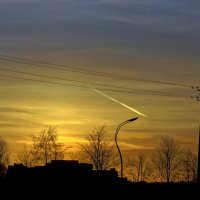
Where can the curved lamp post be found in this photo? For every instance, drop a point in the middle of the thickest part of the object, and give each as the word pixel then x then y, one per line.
pixel 120 155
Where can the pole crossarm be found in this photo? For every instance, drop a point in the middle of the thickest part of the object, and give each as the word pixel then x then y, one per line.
pixel 196 95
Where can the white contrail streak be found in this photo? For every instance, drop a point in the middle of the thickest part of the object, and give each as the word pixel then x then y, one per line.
pixel 134 110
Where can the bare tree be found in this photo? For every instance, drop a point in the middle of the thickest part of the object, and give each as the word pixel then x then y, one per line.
pixel 27 156
pixel 58 151
pixel 166 159
pixel 189 166
pixel 47 147
pixel 4 156
pixel 138 169
pixel 98 150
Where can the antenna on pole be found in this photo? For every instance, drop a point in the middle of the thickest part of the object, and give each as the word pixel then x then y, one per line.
pixel 196 91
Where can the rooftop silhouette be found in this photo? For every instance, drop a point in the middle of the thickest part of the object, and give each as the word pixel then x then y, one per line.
pixel 69 170
pixel 74 179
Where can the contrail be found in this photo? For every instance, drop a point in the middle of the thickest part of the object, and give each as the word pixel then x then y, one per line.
pixel 120 103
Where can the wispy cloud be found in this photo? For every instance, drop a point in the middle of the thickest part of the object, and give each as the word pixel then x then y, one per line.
pixel 170 16
pixel 14 110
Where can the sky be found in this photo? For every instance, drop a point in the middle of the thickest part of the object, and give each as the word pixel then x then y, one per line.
pixel 149 39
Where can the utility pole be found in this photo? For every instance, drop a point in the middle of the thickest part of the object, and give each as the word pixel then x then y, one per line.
pixel 198 94
pixel 198 165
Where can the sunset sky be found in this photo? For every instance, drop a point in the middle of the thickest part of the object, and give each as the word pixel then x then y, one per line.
pixel 148 39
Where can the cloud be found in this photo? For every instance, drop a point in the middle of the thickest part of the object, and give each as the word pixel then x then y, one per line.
pixel 14 110
pixel 162 16
pixel 155 15
pixel 19 125
pixel 27 110
pixel 95 27
pixel 146 142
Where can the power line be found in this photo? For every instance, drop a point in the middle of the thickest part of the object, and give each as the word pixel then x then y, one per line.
pixel 48 67
pixel 85 71
pixel 58 65
pixel 90 83
pixel 87 87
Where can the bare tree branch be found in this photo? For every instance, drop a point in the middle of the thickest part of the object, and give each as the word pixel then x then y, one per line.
pixel 138 169
pixel 166 159
pixel 47 147
pixel 4 157
pixel 98 150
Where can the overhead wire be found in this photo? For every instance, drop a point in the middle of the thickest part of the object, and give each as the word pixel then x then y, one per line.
pixel 88 87
pixel 90 83
pixel 83 71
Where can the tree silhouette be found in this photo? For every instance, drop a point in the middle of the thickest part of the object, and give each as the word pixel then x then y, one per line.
pixel 138 169
pixel 189 166
pixel 27 156
pixel 166 159
pixel 4 157
pixel 47 147
pixel 98 150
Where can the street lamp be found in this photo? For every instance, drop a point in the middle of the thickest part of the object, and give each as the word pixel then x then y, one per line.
pixel 120 155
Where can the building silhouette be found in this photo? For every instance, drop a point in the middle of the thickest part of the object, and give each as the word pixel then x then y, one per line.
pixel 70 171
pixel 69 179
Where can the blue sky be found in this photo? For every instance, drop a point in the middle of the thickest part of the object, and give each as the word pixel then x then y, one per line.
pixel 160 25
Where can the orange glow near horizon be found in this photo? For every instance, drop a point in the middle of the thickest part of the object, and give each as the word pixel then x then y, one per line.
pixel 120 38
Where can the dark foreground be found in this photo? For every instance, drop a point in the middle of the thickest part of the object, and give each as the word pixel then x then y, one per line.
pixel 83 189
pixel 69 179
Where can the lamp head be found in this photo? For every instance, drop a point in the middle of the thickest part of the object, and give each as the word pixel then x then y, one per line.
pixel 133 119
